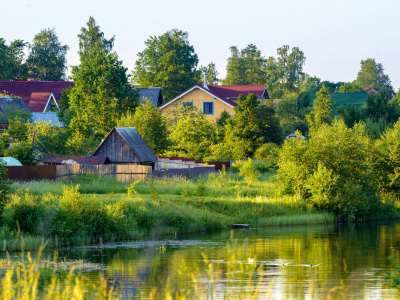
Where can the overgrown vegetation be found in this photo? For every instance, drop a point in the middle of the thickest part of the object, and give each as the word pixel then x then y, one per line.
pixel 89 208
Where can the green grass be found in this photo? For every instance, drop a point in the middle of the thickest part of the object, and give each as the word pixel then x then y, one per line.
pixel 103 209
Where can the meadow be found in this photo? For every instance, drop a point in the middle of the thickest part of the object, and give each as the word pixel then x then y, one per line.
pixel 93 209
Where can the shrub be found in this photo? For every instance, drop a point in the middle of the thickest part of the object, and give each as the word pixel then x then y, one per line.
pixel 5 187
pixel 23 152
pixel 248 171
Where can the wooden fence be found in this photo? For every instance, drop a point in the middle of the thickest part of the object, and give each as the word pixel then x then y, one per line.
pixel 27 173
pixel 124 173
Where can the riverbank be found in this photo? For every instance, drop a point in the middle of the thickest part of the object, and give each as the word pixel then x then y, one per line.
pixel 90 210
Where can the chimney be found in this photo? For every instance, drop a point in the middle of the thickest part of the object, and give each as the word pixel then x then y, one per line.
pixel 31 78
pixel 205 79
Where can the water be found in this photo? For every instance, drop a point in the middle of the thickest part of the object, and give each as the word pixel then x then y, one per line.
pixel 303 262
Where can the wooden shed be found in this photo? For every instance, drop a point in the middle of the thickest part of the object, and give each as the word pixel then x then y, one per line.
pixel 126 146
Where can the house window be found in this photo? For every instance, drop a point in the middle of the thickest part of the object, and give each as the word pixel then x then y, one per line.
pixel 208 108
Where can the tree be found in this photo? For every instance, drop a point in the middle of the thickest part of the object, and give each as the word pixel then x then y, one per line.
pixel 252 125
pixel 371 76
pixel 101 94
pixel 349 87
pixel 46 60
pixel 322 109
pixel 193 134
pixel 168 62
pixel 285 73
pixel 151 125
pixel 290 66
pixel 92 38
pixel 12 66
pixel 212 74
pixel 245 67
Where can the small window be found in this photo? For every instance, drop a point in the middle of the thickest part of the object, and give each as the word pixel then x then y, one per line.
pixel 208 108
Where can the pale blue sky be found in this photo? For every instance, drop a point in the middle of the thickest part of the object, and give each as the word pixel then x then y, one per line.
pixel 334 35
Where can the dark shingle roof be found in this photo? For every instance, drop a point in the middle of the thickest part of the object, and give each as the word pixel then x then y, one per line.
pixel 83 160
pixel 9 103
pixel 151 93
pixel 135 141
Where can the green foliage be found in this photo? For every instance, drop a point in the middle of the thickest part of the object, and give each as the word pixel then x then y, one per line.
pixel 187 192
pixel 249 171
pixel 65 114
pixel 212 74
pixel 18 130
pixel 349 87
pixel 169 62
pixel 5 187
pixel 47 57
pixel 386 160
pixel 350 114
pixel 151 125
pixel 371 75
pixel 51 138
pixel 269 153
pixel 100 95
pixel 13 112
pixel 223 118
pixel 92 39
pixel 331 169
pixel 285 74
pixel 23 151
pixel 322 109
pixel 245 67
pixel 378 107
pixel 12 66
pixel 4 143
pixel 252 125
pixel 289 118
pixel 193 134
pixel 201 187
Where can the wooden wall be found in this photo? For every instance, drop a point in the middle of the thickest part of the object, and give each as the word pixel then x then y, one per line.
pixel 117 150
pixel 124 173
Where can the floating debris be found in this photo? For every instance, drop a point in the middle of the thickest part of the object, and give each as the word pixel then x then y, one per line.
pixel 150 244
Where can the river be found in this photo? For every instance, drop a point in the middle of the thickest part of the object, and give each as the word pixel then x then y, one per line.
pixel 293 262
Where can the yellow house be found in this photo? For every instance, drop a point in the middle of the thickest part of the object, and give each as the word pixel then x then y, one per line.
pixel 212 100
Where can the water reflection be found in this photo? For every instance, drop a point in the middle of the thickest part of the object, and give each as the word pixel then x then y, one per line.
pixel 306 262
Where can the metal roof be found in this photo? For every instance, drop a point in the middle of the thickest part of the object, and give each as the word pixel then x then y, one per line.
pixel 10 161
pixel 151 93
pixel 48 116
pixel 135 141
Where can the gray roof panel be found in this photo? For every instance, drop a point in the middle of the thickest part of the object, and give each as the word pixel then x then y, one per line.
pixel 137 144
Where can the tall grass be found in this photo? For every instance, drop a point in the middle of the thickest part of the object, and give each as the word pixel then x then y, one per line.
pixel 31 279
pixel 89 208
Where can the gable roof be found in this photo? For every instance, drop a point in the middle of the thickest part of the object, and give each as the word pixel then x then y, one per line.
pixel 151 93
pixel 227 93
pixel 10 102
pixel 135 141
pixel 35 93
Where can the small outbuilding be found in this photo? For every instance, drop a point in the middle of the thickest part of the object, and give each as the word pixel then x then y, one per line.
pixel 125 145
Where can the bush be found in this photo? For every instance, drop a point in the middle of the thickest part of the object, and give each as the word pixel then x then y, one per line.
pixel 5 187
pixel 23 152
pixel 249 171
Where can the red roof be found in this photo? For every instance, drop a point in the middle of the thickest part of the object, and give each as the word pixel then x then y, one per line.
pixel 35 93
pixel 227 93
pixel 232 92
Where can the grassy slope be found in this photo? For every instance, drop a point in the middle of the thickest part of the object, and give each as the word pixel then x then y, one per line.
pixel 157 207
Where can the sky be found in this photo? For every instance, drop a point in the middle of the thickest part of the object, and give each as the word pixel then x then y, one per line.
pixel 334 35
